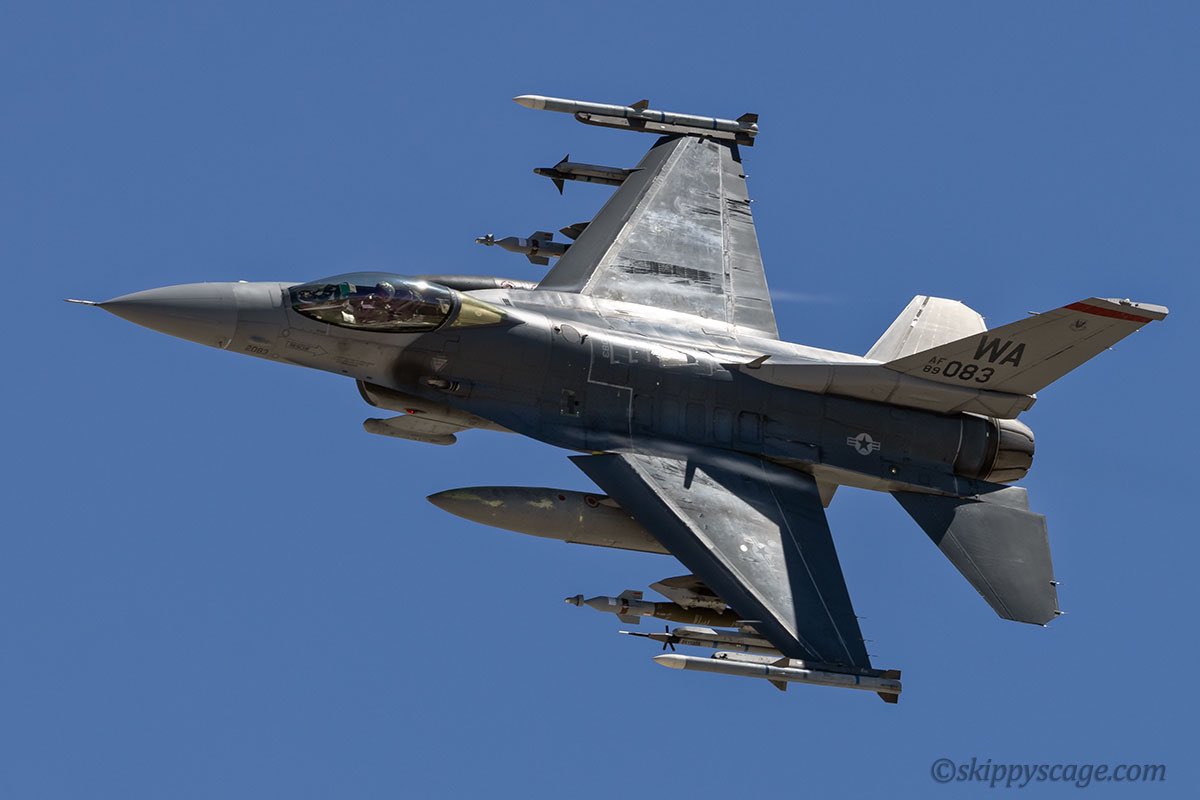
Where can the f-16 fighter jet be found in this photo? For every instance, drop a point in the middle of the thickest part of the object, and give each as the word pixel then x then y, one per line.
pixel 650 349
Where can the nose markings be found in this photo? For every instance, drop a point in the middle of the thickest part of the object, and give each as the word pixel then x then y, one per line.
pixel 260 318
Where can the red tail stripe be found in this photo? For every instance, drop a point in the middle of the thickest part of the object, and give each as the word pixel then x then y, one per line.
pixel 1106 312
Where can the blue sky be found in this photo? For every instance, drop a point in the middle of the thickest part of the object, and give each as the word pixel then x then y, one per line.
pixel 214 584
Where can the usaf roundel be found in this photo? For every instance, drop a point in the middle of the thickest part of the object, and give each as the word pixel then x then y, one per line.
pixel 863 443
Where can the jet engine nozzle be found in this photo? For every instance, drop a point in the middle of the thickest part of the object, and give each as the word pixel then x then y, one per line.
pixel 997 450
pixel 1014 451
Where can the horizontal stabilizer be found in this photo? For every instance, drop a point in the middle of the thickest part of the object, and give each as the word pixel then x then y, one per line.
pixel 993 372
pixel 1027 356
pixel 879 383
pixel 924 323
pixel 998 545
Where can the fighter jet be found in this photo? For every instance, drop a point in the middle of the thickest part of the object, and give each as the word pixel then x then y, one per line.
pixel 650 349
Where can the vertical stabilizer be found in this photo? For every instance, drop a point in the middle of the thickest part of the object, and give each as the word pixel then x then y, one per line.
pixel 924 323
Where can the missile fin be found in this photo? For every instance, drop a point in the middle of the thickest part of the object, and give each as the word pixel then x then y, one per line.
pixel 640 105
pixel 573 231
pixel 541 261
pixel 748 119
pixel 630 594
pixel 630 618
pixel 782 686
pixel 559 183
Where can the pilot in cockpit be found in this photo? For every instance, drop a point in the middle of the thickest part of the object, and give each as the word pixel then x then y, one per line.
pixel 374 302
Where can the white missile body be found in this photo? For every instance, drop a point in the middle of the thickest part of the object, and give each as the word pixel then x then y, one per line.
pixel 638 117
pixel 745 641
pixel 784 671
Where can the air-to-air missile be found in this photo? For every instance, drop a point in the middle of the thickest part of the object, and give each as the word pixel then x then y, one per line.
pixel 567 170
pixel 782 671
pixel 575 517
pixel 630 607
pixel 538 247
pixel 743 640
pixel 638 117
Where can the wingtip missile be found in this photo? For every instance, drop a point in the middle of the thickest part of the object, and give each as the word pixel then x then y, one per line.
pixel 885 683
pixel 639 117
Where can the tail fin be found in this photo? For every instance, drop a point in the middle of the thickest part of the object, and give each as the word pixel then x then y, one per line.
pixel 1027 356
pixel 924 323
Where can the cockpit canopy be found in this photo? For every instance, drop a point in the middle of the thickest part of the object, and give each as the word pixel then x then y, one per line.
pixel 374 301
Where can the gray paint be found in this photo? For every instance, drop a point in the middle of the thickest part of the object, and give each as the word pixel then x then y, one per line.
pixel 998 545
pixel 574 517
pixel 652 344
pixel 755 533
pixel 678 235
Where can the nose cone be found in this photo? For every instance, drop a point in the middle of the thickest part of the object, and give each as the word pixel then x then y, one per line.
pixel 200 312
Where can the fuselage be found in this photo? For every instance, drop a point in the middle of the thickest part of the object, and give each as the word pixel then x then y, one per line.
pixel 591 375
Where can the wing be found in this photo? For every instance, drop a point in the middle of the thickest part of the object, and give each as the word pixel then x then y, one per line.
pixel 753 532
pixel 677 235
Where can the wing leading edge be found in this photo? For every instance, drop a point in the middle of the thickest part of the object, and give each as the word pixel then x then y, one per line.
pixel 756 534
pixel 678 235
